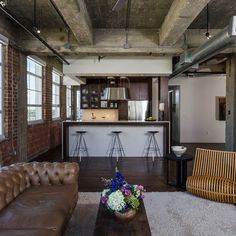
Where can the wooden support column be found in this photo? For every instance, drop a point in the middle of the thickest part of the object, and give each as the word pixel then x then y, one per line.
pixel 163 94
pixel 22 110
pixel 231 103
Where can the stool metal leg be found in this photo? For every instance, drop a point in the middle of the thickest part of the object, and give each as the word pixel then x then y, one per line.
pixel 85 147
pixel 121 149
pixel 151 147
pixel 157 149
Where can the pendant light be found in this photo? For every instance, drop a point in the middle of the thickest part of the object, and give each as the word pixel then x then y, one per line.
pixel 35 27
pixel 207 34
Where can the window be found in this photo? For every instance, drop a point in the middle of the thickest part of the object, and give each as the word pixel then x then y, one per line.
pixel 1 91
pixel 34 90
pixel 68 102
pixel 55 95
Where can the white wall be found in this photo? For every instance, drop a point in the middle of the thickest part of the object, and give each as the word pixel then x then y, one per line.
pixel 198 123
pixel 111 65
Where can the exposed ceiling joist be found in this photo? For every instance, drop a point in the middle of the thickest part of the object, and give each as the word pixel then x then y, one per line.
pixel 77 18
pixel 180 16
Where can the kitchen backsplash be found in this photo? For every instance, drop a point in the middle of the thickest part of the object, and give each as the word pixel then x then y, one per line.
pixel 100 115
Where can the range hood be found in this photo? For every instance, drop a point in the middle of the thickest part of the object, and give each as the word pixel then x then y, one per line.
pixel 117 93
pixel 218 43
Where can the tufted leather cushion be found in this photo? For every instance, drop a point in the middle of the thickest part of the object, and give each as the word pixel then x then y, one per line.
pixel 17 177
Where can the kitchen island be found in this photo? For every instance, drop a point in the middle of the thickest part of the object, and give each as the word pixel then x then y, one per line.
pixel 98 136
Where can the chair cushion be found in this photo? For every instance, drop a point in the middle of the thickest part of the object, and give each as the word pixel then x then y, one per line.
pixel 40 207
pixel 212 188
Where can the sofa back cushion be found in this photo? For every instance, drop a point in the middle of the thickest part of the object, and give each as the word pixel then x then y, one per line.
pixel 45 173
pixel 12 183
pixel 215 163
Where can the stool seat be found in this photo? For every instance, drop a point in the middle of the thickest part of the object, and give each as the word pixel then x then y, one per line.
pixel 81 132
pixel 153 132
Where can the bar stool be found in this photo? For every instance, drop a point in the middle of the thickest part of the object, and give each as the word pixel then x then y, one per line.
pixel 80 145
pixel 151 146
pixel 115 147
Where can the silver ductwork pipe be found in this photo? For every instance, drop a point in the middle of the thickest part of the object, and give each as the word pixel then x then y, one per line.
pixel 218 43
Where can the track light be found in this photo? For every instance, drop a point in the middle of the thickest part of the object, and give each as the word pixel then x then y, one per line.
pixel 3 3
pixel 37 30
pixel 207 34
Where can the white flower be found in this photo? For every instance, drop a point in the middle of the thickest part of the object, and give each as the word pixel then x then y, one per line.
pixel 116 201
pixel 104 192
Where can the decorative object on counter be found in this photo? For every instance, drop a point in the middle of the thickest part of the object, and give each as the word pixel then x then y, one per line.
pixel 178 150
pixel 162 109
pixel 119 90
pixel 150 118
pixel 151 146
pixel 115 147
pixel 93 117
pixel 121 198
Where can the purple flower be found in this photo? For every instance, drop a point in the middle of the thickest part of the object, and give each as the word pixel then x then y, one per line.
pixel 128 192
pixel 104 200
pixel 140 187
pixel 142 196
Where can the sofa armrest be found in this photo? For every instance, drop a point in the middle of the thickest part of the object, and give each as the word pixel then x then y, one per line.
pixel 213 188
pixel 45 173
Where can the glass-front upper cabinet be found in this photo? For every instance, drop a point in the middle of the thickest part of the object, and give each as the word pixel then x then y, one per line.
pixel 84 96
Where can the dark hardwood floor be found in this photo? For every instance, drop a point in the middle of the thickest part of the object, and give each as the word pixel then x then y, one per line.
pixel 136 170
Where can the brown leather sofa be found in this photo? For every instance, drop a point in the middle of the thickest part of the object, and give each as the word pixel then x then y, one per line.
pixel 38 198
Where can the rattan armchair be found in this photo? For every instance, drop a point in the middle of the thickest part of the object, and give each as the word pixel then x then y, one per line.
pixel 214 176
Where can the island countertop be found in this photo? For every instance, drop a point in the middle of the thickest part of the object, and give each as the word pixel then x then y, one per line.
pixel 129 122
pixel 98 136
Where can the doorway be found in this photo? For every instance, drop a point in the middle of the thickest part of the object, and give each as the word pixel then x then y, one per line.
pixel 174 113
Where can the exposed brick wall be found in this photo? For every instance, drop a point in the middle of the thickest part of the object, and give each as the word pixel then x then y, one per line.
pixel 11 60
pixel 41 137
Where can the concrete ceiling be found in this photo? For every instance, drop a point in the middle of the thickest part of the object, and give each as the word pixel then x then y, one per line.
pixel 143 14
pixel 220 12
pixel 47 17
pixel 156 27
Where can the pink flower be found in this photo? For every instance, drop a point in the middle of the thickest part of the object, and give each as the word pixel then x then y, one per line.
pixel 104 200
pixel 142 196
pixel 140 187
pixel 127 192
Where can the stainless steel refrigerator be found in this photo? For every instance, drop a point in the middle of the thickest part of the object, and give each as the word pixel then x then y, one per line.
pixel 138 110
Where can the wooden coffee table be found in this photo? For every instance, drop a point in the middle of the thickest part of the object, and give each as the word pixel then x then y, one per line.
pixel 107 224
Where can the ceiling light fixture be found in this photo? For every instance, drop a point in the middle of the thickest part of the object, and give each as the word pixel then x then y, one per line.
pixel 3 3
pixel 35 27
pixel 127 44
pixel 207 34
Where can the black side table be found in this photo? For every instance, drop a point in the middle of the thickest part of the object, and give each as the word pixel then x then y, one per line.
pixel 181 168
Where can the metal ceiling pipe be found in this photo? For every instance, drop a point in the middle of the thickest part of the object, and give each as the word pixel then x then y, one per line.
pixel 221 41
pixel 30 31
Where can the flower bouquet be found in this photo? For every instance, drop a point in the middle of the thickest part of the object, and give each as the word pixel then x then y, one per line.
pixel 121 198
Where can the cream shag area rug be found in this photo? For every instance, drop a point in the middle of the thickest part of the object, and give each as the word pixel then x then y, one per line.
pixel 169 214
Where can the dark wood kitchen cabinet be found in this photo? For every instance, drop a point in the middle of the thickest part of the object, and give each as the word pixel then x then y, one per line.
pixel 140 91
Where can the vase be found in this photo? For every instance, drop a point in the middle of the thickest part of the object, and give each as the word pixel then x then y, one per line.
pixel 126 216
